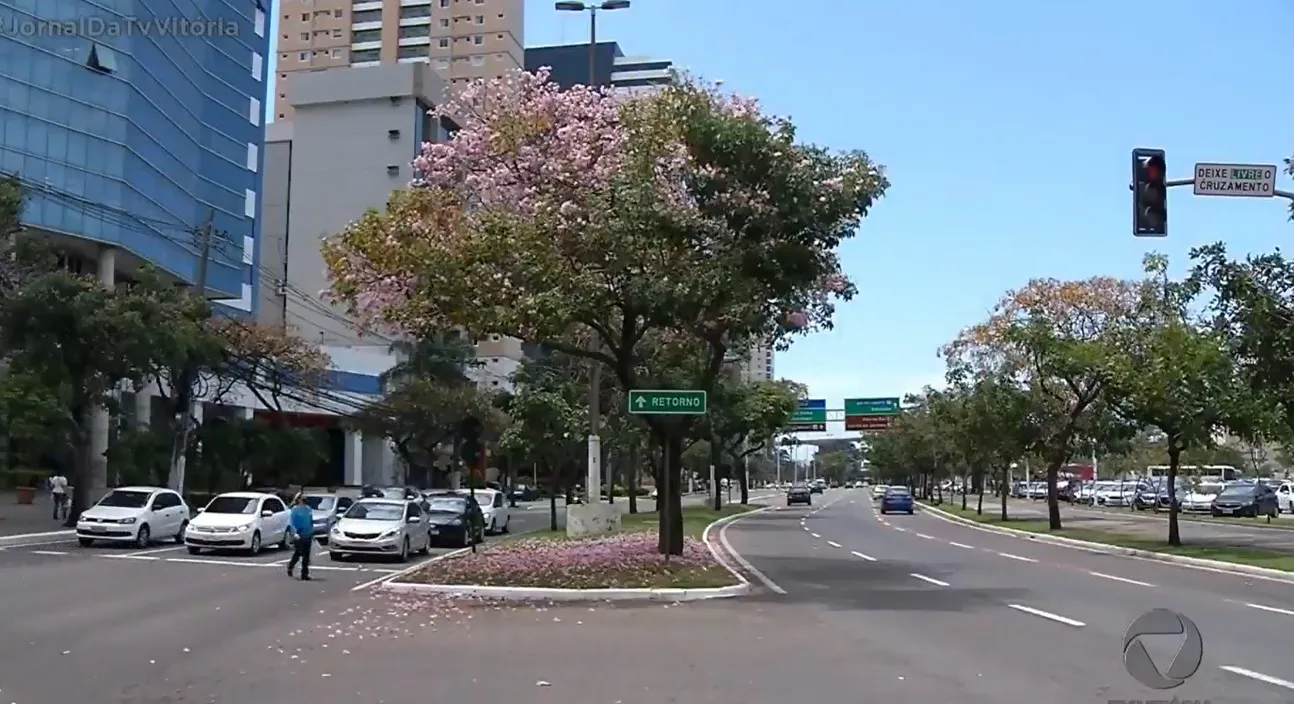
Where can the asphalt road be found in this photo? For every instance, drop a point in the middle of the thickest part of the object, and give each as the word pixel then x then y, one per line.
pixel 980 617
pixel 1231 532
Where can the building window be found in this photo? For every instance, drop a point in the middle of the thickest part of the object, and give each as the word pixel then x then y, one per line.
pixel 478 40
pixel 337 33
pixel 442 63
pixel 303 56
pixel 443 43
pixel 254 111
pixel 480 19
pixel 444 3
pixel 305 17
pixel 366 35
pixel 335 53
pixel 478 60
pixel 366 16
pixel 412 12
pixel 258 22
pixel 444 22
pixel 336 13
pixel 253 157
pixel 249 203
pixel 258 65
pixel 365 56
pixel 101 59
pixel 411 52
pixel 305 36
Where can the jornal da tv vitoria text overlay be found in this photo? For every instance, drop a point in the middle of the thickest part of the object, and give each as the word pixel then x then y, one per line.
pixel 98 28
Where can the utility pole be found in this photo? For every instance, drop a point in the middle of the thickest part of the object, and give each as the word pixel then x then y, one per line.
pixel 188 374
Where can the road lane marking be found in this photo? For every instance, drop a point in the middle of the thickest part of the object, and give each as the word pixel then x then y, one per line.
pixel 900 529
pixel 861 556
pixel 833 543
pixel 130 557
pixel 931 580
pixel 1258 676
pixel 745 564
pixel 1125 580
pixel 49 552
pixel 1270 609
pixel 154 551
pixel 815 535
pixel 1017 557
pixel 1047 615
pixel 923 535
pixel 961 545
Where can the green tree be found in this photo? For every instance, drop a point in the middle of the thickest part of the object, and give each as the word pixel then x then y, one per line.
pixel 742 420
pixel 547 423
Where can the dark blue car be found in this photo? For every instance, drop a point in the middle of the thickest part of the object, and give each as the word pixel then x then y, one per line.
pixel 897 500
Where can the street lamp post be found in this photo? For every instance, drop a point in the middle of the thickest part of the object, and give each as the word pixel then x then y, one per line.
pixel 592 8
pixel 595 373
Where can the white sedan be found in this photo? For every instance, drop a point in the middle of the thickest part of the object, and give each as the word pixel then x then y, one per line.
pixel 239 520
pixel 498 516
pixel 383 527
pixel 134 514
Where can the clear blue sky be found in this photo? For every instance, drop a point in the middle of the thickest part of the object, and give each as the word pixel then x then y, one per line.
pixel 1006 126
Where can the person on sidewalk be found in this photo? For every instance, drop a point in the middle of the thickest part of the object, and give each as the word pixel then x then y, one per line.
pixel 302 520
pixel 58 495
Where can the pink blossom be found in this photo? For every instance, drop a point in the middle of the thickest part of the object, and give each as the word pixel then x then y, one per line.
pixel 797 320
pixel 623 560
pixel 835 283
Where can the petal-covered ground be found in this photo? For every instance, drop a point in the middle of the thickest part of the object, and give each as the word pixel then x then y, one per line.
pixel 625 560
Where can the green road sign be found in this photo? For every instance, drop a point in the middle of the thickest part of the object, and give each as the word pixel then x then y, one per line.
pixel 872 407
pixel 809 416
pixel 667 402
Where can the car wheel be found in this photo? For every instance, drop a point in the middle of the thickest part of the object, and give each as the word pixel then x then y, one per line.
pixel 256 543
pixel 85 542
pixel 143 537
pixel 426 547
pixel 910 511
pixel 194 551
pixel 179 537
pixel 882 512
pixel 491 530
pixel 284 544
pixel 507 526
pixel 404 550
pixel 467 537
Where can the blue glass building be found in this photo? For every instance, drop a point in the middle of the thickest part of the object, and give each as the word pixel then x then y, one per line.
pixel 133 122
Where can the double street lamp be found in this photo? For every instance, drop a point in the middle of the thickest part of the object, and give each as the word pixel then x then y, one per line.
pixel 592 8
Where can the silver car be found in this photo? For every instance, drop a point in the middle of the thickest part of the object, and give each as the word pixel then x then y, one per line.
pixel 327 508
pixel 380 527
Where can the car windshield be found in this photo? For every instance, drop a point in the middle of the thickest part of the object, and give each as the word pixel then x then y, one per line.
pixel 321 503
pixel 376 511
pixel 233 504
pixel 446 504
pixel 125 499
pixel 1237 492
pixel 896 492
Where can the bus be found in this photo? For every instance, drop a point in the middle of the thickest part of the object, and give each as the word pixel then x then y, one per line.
pixel 1225 472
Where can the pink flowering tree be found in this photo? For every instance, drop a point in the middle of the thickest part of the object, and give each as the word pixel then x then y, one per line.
pixel 613 230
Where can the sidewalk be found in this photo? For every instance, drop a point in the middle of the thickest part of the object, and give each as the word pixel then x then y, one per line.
pixel 17 519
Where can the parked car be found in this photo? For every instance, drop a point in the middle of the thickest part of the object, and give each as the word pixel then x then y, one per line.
pixel 494 510
pixel 1199 498
pixel 453 519
pixel 878 491
pixel 327 508
pixel 399 493
pixel 381 527
pixel 799 494
pixel 525 492
pixel 897 499
pixel 1285 497
pixel 1245 500
pixel 134 514
pixel 239 520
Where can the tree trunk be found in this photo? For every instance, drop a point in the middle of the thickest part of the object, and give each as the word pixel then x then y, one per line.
pixel 631 478
pixel 552 497
pixel 81 463
pixel 744 478
pixel 1174 462
pixel 965 490
pixel 716 461
pixel 1053 496
pixel 609 460
pixel 670 500
pixel 979 503
pixel 1005 489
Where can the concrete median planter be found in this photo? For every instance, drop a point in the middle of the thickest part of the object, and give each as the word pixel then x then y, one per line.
pixel 742 586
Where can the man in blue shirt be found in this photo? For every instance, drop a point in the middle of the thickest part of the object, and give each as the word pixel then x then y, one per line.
pixel 302 521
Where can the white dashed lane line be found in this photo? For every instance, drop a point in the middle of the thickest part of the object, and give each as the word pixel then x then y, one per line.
pixel 1268 609
pixel 815 535
pixel 1258 676
pixel 1047 615
pixel 1017 557
pixel 961 545
pixel 833 543
pixel 924 536
pixel 861 556
pixel 930 580
pixel 1125 580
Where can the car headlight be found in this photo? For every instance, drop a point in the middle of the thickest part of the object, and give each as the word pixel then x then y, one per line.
pixel 336 530
pixel 389 534
pixel 244 527
pixel 127 521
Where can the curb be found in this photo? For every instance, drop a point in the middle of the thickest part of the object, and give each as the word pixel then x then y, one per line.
pixel 1198 563
pixel 742 588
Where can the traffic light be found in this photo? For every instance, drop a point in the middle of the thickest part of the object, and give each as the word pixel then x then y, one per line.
pixel 469 441
pixel 1149 193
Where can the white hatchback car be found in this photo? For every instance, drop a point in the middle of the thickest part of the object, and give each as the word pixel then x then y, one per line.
pixel 239 520
pixel 134 514
pixel 497 513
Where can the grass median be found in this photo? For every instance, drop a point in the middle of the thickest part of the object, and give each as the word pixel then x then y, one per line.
pixel 625 560
pixel 1256 557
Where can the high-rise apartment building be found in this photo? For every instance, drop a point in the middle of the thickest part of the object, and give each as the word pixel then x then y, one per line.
pixel 461 39
pixel 758 364
pixel 569 65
